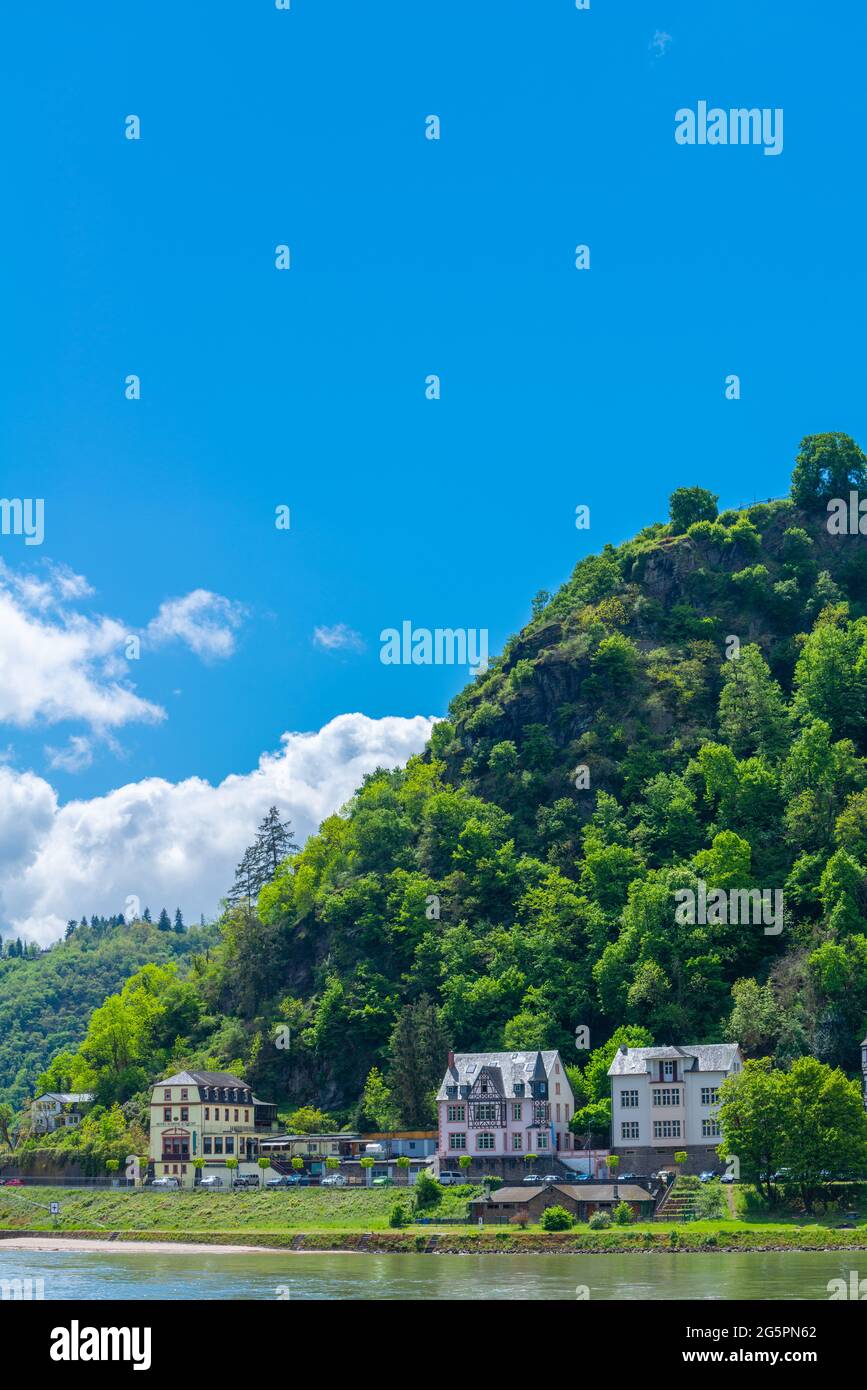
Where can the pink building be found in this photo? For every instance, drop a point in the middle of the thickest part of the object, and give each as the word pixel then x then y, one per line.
pixel 503 1105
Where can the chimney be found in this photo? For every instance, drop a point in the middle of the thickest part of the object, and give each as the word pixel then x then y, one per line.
pixel 623 1048
pixel 451 1061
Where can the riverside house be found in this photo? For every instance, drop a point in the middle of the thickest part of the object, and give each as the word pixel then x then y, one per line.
pixel 666 1098
pixel 499 1106
pixel 58 1110
pixel 206 1114
pixel 528 1202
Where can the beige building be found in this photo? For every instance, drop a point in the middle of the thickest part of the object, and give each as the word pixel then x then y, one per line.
pixel 209 1115
pixel 58 1110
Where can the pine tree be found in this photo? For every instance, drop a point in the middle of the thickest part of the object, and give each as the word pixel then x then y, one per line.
pixel 146 915
pixel 261 860
pixel 417 1050
pixel 179 921
pixel 164 924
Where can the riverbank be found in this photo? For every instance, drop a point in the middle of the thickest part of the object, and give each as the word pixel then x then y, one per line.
pixel 676 1240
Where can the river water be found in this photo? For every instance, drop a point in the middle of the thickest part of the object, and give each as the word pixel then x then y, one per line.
pixel 71 1274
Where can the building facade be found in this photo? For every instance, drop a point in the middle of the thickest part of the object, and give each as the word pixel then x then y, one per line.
pixel 527 1203
pixel 665 1099
pixel 59 1110
pixel 210 1115
pixel 500 1106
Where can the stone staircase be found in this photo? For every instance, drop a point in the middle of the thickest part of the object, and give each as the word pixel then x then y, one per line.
pixel 678 1202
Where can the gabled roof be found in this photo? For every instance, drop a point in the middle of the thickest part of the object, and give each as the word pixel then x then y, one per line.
pixel 714 1057
pixel 579 1192
pixel 67 1097
pixel 204 1078
pixel 513 1067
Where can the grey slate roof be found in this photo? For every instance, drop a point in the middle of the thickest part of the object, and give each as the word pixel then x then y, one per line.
pixel 508 1067
pixel 714 1057
pixel 579 1192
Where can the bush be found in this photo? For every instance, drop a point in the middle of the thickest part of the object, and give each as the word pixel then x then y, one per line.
pixel 399 1216
pixel 623 1214
pixel 687 505
pixel 556 1219
pixel 599 1221
pixel 427 1191
pixel 519 1219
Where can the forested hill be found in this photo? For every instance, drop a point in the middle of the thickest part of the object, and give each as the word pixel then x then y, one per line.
pixel 710 678
pixel 46 1000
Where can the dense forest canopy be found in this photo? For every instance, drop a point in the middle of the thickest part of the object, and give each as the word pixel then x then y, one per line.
pixel 689 709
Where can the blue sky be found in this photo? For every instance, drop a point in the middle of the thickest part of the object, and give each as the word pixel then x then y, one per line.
pixel 409 257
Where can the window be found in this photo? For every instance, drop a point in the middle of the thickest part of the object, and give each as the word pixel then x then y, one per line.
pixel 167 1112
pixel 206 1144
pixel 516 1112
pixel 486 1113
pixel 230 1144
pixel 709 1095
pixel 668 1073
pixel 566 1112
pixel 185 1112
pixel 666 1095
pixel 236 1117
pixel 167 1093
pixel 543 1141
pixel 710 1129
pixel 629 1129
pixel 207 1112
pixel 517 1141
pixel 557 1116
pixel 556 1088
pixel 218 1143
pixel 225 1114
pixel 184 1095
pixel 457 1141
pixel 456 1114
pixel 484 1141
pixel 629 1100
pixel 666 1129
pixel 246 1117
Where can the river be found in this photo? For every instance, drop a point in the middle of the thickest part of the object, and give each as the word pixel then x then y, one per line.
pixel 71 1274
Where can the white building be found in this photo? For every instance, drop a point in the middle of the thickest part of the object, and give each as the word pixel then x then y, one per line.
pixel 210 1116
pixel 665 1099
pixel 58 1110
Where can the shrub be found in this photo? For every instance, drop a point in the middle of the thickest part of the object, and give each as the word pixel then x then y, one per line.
pixel 599 1221
pixel 399 1216
pixel 519 1219
pixel 427 1191
pixel 556 1219
pixel 623 1214
pixel 687 505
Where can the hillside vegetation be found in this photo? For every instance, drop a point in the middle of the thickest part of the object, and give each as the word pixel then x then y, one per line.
pixel 710 678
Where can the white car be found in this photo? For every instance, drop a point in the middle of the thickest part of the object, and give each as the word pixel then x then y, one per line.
pixel 170 1184
pixel 446 1179
pixel 334 1180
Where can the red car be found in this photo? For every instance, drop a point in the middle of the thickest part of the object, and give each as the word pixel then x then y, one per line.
pixel 12 1182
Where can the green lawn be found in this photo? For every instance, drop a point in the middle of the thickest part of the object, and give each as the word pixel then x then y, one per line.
pixel 306 1208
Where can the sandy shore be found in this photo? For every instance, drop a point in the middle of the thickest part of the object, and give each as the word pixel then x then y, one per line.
pixel 135 1247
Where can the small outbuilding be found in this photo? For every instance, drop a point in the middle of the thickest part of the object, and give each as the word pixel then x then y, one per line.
pixel 581 1200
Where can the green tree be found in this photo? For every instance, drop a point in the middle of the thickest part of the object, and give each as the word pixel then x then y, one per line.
pixel 687 505
pixel 828 465
pixel 417 1054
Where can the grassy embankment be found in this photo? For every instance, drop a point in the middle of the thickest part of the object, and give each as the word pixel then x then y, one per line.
pixel 314 1219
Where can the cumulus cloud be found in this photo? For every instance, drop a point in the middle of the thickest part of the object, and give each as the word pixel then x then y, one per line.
pixel 174 843
pixel 203 621
pixel 339 638
pixel 58 663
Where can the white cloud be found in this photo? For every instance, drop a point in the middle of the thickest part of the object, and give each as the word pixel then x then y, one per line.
pixel 205 622
pixel 75 757
pixel 57 663
pixel 169 843
pixel 338 638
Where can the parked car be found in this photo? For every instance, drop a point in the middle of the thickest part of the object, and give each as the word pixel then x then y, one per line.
pixel 13 1182
pixel 166 1184
pixel 707 1176
pixel 447 1179
pixel 583 1177
pixel 534 1178
pixel 551 1178
pixel 382 1182
pixel 210 1184
pixel 245 1180
pixel 727 1177
pixel 626 1177
pixel 307 1180
pixel 284 1180
pixel 334 1180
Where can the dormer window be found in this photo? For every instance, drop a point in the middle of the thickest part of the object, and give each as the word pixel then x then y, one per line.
pixel 451 1092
